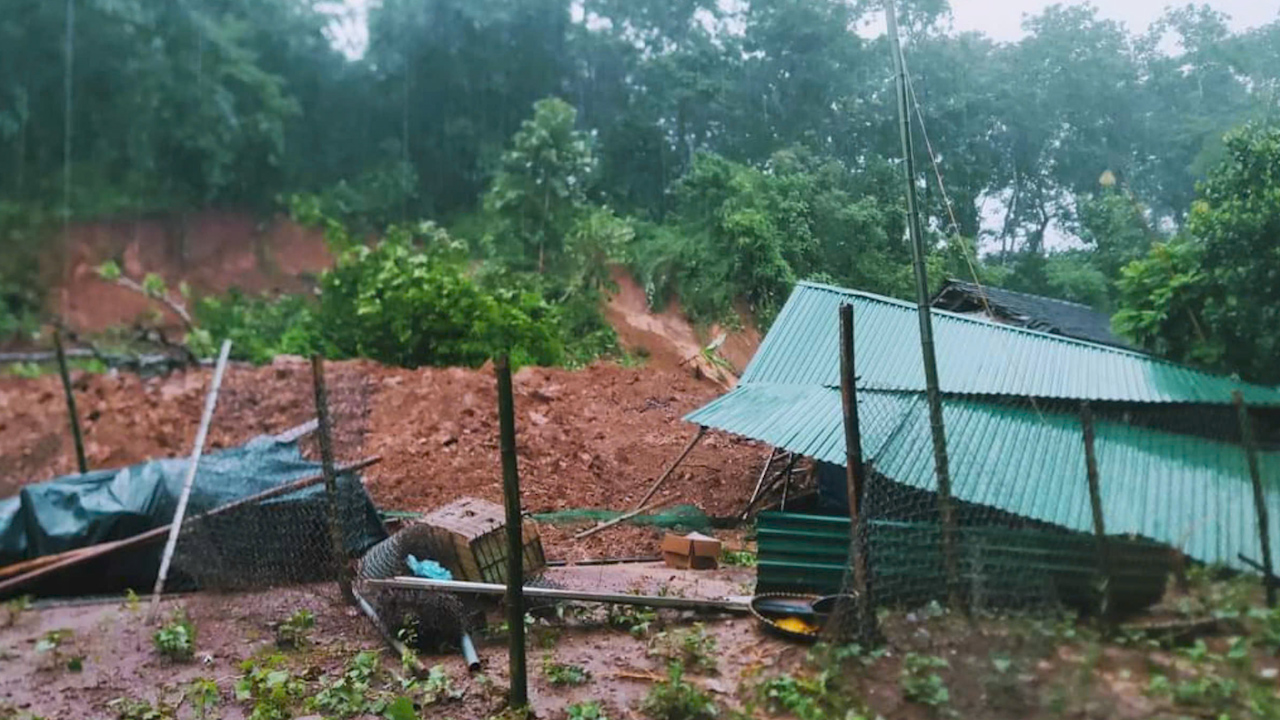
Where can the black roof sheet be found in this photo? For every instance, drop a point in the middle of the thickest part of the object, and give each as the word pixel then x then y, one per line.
pixel 1031 311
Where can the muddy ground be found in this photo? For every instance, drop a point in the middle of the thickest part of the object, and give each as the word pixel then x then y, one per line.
pixel 591 438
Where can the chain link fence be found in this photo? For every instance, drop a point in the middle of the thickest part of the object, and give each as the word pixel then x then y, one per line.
pixel 1091 507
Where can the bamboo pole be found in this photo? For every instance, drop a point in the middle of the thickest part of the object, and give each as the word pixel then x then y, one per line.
pixel 101 549
pixel 946 508
pixel 1259 498
pixel 610 523
pixel 702 430
pixel 1095 504
pixel 519 697
pixel 81 462
pixel 210 402
pixel 338 548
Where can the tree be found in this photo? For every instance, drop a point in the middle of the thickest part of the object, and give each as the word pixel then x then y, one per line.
pixel 1213 297
pixel 542 184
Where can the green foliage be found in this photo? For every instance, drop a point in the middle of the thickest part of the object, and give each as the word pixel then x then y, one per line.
pixel 176 639
pixel 25 230
pixel 259 327
pixel 677 699
pixel 921 683
pixel 14 608
pixel 1208 298
pixel 693 648
pixel 350 694
pixel 135 709
pixel 563 674
pixel 586 710
pixel 401 709
pixel 270 687
pixel 204 696
pixel 737 558
pixel 635 620
pixel 351 210
pixel 295 631
pixel 438 686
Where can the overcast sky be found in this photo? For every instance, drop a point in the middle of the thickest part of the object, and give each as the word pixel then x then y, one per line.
pixel 1002 19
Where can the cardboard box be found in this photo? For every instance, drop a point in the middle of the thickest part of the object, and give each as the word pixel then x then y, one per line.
pixel 695 550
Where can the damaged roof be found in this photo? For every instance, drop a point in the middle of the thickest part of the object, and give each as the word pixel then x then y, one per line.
pixel 1035 312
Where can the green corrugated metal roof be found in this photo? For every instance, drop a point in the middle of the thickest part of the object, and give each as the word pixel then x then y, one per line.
pixel 1186 491
pixel 975 356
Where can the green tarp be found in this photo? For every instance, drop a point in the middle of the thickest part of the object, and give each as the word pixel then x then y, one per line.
pixel 81 510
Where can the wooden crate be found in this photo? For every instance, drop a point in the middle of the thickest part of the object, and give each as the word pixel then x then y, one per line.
pixel 468 536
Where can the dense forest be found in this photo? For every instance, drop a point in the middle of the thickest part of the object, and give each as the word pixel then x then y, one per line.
pixel 508 151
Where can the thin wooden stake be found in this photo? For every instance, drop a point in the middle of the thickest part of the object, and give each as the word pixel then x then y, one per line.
pixel 610 523
pixel 519 697
pixel 81 461
pixel 702 430
pixel 1095 503
pixel 1259 498
pixel 338 548
pixel 210 402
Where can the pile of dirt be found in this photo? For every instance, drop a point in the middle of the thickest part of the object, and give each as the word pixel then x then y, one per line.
pixel 596 437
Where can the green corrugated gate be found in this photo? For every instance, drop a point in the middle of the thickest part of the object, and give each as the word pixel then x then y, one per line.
pixel 1000 566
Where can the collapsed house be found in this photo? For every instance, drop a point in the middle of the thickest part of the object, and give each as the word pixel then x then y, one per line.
pixel 1171 468
pixel 1034 312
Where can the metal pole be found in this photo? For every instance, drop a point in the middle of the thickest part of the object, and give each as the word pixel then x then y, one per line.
pixel 519 697
pixel 940 462
pixel 1095 503
pixel 330 478
pixel 855 474
pixel 210 402
pixel 1259 499
pixel 81 462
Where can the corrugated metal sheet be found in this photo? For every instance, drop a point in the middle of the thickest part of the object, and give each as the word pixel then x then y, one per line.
pixel 975 357
pixel 1182 490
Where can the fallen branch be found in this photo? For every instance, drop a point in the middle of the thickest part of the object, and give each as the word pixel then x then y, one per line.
pixel 101 549
pixel 702 430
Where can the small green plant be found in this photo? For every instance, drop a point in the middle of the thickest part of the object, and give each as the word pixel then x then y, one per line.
pixel 131 601
pixel 401 709
pixel 587 710
pixel 351 695
pixel 204 695
pixel 176 640
pixel 635 620
pixel 738 558
pixel 694 648
pixel 438 686
pixel 50 645
pixel 294 632
pixel 677 699
pixel 270 687
pixel 921 683
pixel 132 709
pixel 14 609
pixel 562 674
pixel 26 370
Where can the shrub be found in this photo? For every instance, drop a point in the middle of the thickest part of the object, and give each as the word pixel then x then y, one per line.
pixel 177 639
pixel 563 673
pixel 677 699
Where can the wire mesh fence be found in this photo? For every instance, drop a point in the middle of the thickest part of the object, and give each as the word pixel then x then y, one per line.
pixel 1095 507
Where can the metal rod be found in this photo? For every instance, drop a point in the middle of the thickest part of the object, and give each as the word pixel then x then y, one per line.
pixel 469 653
pixel 854 474
pixel 1259 499
pixel 210 402
pixel 702 430
pixel 337 547
pixel 729 604
pixel 914 229
pixel 1095 503
pixel 519 697
pixel 399 648
pixel 81 461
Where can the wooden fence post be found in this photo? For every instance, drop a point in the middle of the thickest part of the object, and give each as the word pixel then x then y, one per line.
pixel 855 476
pixel 1259 499
pixel 1095 503
pixel 81 461
pixel 519 697
pixel 323 428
